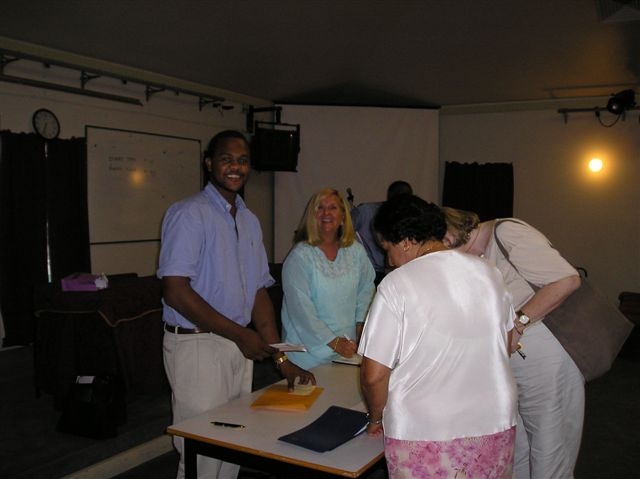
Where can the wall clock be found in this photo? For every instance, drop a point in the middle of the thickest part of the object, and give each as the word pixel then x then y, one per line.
pixel 46 124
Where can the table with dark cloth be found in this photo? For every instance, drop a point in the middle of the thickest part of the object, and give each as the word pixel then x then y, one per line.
pixel 116 331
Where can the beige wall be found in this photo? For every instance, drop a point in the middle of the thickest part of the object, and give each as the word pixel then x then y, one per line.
pixel 594 220
pixel 362 148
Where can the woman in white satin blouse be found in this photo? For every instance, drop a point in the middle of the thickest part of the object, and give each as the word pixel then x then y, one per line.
pixel 435 374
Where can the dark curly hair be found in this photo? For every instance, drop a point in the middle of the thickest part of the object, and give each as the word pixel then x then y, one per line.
pixel 409 217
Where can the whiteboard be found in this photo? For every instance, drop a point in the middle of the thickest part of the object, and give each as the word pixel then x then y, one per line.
pixel 132 178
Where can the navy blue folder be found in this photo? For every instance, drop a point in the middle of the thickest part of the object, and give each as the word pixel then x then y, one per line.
pixel 336 426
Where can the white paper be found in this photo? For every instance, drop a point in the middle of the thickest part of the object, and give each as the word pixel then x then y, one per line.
pixel 286 347
pixel 354 360
pixel 302 389
pixel 85 379
pixel 101 281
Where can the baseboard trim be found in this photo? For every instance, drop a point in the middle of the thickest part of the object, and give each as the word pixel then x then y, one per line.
pixel 125 460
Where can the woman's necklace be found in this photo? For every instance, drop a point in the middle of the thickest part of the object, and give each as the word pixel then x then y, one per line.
pixel 435 246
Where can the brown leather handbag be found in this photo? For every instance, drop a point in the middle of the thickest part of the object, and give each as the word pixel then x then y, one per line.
pixel 589 327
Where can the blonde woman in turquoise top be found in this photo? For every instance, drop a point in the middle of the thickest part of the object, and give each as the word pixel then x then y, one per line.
pixel 328 283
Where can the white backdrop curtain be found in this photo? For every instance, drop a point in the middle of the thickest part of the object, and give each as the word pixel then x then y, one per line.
pixel 364 148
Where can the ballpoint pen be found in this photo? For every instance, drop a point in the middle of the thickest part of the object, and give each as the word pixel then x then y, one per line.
pixel 227 424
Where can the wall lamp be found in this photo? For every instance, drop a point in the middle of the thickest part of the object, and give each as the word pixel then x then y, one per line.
pixel 618 105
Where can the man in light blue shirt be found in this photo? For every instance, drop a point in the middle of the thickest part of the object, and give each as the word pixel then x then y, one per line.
pixel 362 217
pixel 214 275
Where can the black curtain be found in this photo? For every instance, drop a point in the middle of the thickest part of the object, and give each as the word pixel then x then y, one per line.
pixel 42 195
pixel 485 189
pixel 67 208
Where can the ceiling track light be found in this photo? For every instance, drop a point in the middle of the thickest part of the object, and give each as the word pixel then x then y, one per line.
pixel 618 105
pixel 8 56
pixel 621 101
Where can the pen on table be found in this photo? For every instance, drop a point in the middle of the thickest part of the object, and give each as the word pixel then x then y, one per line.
pixel 227 424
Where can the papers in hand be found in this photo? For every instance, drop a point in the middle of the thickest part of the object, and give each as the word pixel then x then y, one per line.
pixel 288 347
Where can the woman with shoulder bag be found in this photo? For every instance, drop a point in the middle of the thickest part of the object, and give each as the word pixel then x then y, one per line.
pixel 550 385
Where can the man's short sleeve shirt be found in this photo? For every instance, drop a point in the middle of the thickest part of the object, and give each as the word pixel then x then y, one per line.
pixel 224 259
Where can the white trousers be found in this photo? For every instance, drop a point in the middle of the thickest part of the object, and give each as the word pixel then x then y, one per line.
pixel 551 407
pixel 204 370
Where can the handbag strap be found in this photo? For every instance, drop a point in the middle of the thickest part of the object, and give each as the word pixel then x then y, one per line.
pixel 504 251
pixel 581 271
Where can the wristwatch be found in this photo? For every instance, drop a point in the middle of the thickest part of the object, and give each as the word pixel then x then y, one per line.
pixel 523 319
pixel 280 359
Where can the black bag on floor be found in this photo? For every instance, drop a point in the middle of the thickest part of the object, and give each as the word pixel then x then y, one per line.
pixel 94 408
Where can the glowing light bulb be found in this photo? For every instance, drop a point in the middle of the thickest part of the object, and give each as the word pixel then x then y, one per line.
pixel 595 165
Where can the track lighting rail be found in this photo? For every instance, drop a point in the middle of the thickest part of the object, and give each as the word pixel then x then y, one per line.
pixel 7 57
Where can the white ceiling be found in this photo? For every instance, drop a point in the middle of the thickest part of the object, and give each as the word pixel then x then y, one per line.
pixel 354 52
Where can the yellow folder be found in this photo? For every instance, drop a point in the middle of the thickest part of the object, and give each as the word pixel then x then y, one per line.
pixel 279 398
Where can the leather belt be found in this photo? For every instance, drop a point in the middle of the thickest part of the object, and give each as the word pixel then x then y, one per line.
pixel 179 330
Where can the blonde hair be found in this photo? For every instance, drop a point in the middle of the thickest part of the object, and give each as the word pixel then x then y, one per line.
pixel 308 227
pixel 460 224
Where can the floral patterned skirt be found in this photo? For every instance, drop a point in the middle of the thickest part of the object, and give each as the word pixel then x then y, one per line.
pixel 481 457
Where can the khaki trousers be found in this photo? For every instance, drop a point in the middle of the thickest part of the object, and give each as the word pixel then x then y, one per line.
pixel 204 370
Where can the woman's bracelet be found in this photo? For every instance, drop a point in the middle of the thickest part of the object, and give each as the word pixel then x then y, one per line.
pixel 336 342
pixel 376 422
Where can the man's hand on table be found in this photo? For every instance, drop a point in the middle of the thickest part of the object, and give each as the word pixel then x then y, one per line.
pixel 290 372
